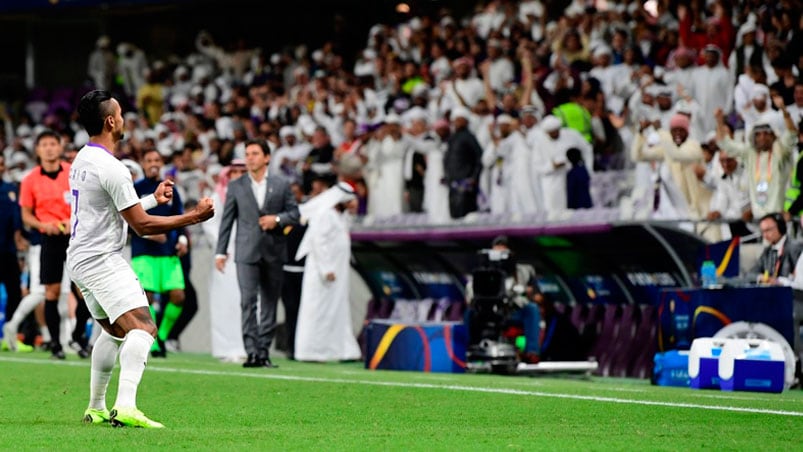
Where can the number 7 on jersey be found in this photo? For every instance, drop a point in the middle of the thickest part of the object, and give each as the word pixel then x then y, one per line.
pixel 75 211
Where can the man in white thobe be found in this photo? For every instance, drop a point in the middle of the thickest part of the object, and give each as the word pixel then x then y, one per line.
pixel 767 155
pixel 712 87
pixel 603 70
pixel 324 331
pixel 730 202
pixel 522 198
pixel 386 166
pixel 552 166
pixel 288 158
pixel 501 71
pixel 464 90
pixel 683 72
pixel 664 106
pixel 433 146
pixel 656 196
pixel 759 111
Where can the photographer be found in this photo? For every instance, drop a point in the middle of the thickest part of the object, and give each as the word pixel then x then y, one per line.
pixel 519 307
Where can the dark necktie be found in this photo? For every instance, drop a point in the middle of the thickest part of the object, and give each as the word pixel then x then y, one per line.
pixel 775 265
pixel 656 195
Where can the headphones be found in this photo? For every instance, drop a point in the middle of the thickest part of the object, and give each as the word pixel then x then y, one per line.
pixel 779 219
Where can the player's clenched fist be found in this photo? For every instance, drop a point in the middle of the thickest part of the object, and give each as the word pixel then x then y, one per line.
pixel 205 209
pixel 164 192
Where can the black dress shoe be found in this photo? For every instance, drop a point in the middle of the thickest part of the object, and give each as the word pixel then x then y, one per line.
pixel 80 349
pixel 57 352
pixel 252 361
pixel 266 363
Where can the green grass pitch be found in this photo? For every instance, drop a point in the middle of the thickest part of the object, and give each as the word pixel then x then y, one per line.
pixel 207 405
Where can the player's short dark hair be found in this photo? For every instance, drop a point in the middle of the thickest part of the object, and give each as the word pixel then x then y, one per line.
pixel 501 240
pixel 93 109
pixel 261 143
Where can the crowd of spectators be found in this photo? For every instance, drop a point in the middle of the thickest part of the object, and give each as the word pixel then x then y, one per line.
pixel 517 109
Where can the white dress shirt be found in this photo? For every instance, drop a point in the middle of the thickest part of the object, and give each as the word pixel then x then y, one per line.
pixel 259 187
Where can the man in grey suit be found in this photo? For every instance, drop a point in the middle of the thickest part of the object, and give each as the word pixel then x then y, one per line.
pixel 262 206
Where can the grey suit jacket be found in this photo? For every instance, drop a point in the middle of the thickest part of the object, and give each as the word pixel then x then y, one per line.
pixel 252 243
pixel 767 260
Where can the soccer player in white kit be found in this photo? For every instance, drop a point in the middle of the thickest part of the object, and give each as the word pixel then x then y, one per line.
pixel 103 196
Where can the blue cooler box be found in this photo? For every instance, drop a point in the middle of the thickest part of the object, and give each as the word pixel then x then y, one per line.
pixel 425 347
pixel 671 368
pixel 751 365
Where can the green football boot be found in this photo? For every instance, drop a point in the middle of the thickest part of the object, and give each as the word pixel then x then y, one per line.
pixel 94 416
pixel 131 417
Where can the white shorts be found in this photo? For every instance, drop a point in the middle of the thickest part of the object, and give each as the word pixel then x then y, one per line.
pixel 35 283
pixel 109 286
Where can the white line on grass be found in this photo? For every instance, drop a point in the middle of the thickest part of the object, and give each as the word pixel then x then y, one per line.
pixel 435 386
pixel 705 394
pixel 626 390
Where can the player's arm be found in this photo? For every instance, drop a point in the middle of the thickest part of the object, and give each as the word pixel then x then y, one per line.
pixel 117 183
pixel 144 224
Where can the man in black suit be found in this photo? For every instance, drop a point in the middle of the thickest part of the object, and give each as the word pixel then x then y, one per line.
pixel 779 258
pixel 263 206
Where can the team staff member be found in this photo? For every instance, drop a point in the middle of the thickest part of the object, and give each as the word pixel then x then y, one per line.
pixel 262 205
pixel 155 258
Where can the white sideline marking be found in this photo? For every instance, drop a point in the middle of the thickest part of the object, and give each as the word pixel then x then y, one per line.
pixel 435 386
pixel 631 390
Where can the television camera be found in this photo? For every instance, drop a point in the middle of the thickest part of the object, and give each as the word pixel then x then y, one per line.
pixel 493 296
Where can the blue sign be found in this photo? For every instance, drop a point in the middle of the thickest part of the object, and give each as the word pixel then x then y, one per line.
pixel 686 314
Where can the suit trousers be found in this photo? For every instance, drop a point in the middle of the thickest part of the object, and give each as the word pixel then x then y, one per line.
pixel 261 283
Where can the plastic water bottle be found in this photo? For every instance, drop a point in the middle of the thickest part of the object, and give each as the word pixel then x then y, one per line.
pixel 708 274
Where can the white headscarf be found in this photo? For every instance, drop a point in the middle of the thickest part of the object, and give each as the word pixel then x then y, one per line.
pixel 339 193
pixel 312 209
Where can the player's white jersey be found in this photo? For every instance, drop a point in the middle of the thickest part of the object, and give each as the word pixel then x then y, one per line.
pixel 101 187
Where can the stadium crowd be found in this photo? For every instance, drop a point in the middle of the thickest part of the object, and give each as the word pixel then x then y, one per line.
pixel 692 111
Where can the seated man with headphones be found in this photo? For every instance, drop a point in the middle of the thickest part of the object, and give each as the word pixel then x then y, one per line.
pixel 776 264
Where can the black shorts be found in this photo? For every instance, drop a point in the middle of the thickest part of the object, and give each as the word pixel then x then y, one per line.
pixel 54 251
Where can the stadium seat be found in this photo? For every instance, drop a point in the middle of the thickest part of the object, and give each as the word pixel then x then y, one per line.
pixel 603 349
pixel 625 342
pixel 589 333
pixel 578 316
pixel 642 357
pixel 454 313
